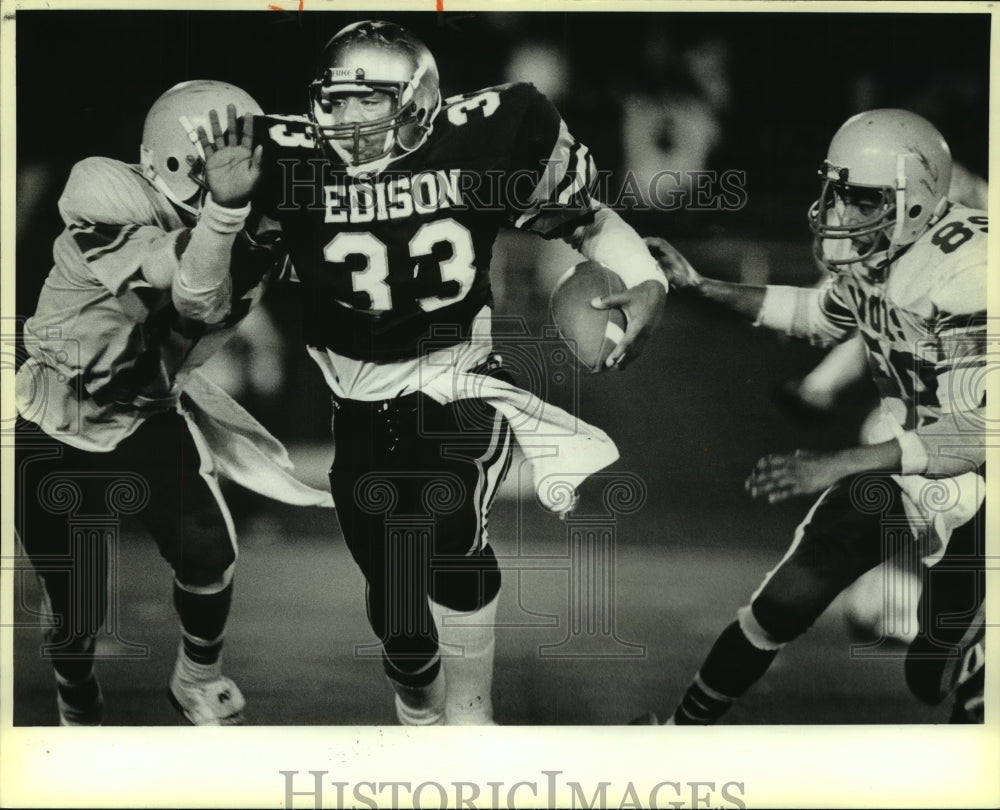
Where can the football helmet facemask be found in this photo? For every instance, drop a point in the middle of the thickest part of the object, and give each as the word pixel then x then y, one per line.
pixel 364 58
pixel 885 181
pixel 171 155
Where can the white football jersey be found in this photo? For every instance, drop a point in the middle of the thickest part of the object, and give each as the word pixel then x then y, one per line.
pixel 105 348
pixel 924 321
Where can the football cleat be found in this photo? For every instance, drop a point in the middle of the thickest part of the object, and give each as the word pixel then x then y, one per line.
pixel 80 704
pixel 218 702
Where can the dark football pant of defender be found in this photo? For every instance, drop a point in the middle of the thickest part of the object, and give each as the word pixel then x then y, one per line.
pixel 413 481
pixel 845 535
pixel 61 489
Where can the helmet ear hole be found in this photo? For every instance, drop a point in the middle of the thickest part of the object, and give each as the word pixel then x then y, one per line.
pixel 915 211
pixel 167 152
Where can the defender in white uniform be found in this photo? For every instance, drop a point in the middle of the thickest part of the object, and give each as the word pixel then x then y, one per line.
pixel 910 274
pixel 156 267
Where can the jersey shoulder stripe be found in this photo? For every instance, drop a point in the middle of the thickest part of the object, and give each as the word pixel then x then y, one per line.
pixel 833 304
pixel 95 241
pixel 521 130
pixel 109 192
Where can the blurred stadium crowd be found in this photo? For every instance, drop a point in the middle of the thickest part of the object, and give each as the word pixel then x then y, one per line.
pixel 755 94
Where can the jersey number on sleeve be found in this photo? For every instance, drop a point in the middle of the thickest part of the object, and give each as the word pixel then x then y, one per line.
pixel 284 135
pixel 952 236
pixel 373 277
pixel 487 101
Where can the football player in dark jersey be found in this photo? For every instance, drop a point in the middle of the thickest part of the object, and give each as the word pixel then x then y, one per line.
pixel 909 273
pixel 390 200
pixel 157 266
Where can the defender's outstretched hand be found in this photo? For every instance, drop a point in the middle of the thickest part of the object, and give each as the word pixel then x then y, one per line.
pixel 232 165
pixel 779 477
pixel 643 308
pixel 675 267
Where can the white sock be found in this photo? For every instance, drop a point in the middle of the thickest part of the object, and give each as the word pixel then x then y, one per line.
pixel 192 672
pixel 420 705
pixel 467 646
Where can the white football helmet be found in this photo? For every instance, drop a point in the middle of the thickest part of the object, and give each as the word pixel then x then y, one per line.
pixel 897 153
pixel 171 156
pixel 368 56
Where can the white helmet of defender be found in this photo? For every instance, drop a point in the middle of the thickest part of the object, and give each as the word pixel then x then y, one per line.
pixel 897 153
pixel 171 155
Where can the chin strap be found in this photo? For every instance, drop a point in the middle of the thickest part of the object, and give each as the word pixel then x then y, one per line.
pixel 150 173
pixel 199 197
pixel 161 185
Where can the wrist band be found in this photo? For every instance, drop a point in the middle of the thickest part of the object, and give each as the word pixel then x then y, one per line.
pixel 221 219
pixel 777 310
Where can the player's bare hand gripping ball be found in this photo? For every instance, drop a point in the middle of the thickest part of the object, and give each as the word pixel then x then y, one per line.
pixel 643 308
pixel 232 165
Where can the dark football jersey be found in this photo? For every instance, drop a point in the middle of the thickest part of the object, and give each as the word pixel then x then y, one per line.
pixel 403 255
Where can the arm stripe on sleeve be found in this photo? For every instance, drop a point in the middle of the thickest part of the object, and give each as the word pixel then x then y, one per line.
pixel 97 241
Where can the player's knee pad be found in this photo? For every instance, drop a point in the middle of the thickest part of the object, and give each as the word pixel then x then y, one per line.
pixel 754 632
pixel 412 670
pixel 465 583
pixel 770 623
pixel 207 561
pixel 204 582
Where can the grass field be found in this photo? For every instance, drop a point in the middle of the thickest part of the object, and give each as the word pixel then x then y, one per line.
pixel 299 646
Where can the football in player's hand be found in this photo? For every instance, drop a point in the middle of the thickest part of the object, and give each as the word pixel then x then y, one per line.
pixel 591 333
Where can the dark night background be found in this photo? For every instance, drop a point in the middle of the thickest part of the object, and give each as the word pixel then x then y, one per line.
pixel 690 417
pixel 788 81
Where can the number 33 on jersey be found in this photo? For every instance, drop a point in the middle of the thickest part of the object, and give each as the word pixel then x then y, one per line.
pixel 390 259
